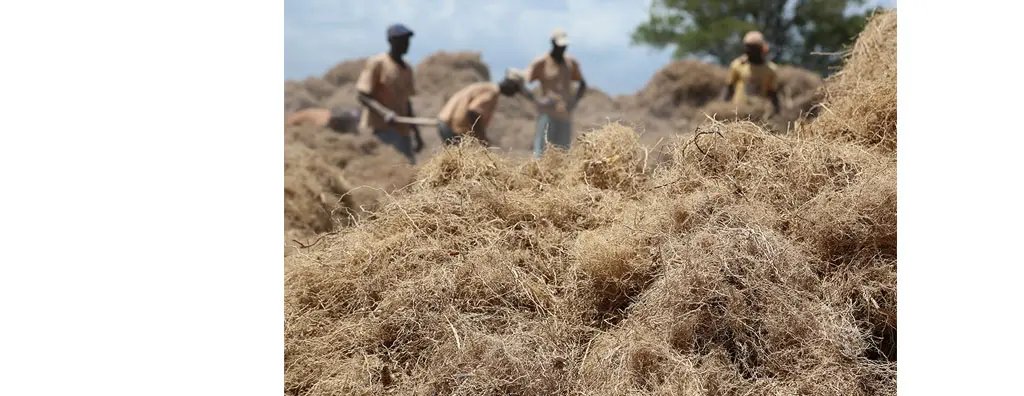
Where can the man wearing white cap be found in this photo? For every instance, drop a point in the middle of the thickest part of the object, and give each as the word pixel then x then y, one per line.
pixel 470 110
pixel 556 71
pixel 752 73
pixel 385 86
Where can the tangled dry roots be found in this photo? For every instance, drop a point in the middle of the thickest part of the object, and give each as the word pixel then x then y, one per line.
pixel 327 172
pixel 593 272
pixel 860 103
pixel 314 191
pixel 736 262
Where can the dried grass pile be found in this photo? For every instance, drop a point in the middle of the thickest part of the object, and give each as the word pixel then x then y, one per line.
pixel 319 88
pixel 335 90
pixel 373 169
pixel 745 263
pixel 345 73
pixel 799 92
pixel 314 192
pixel 681 87
pixel 736 261
pixel 692 91
pixel 333 179
pixel 860 99
pixel 443 73
pixel 297 97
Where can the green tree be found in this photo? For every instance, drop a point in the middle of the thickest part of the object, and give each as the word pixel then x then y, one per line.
pixel 800 32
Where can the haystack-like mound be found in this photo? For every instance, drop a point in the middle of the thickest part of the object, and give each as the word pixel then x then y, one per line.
pixel 346 72
pixel 314 191
pixel 596 272
pixel 372 169
pixel 681 87
pixel 297 97
pixel 736 261
pixel 443 73
pixel 319 88
pixel 343 98
pixel 860 101
pixel 693 90
pixel 800 90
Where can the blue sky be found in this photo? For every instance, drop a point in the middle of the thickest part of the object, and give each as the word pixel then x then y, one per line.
pixel 320 33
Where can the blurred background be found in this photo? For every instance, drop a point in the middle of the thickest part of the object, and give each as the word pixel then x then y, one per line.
pixel 657 66
pixel 620 44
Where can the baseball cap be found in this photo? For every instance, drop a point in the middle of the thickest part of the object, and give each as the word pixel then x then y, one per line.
pixel 398 30
pixel 560 38
pixel 753 38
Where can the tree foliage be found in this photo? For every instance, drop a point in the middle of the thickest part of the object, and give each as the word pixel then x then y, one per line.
pixel 800 32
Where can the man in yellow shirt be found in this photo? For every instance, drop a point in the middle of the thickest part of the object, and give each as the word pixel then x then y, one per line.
pixel 385 86
pixel 555 71
pixel 470 110
pixel 752 73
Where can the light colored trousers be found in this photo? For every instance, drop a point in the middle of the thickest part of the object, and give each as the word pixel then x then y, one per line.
pixel 557 132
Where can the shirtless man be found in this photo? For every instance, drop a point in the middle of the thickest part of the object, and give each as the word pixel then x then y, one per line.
pixel 555 71
pixel 470 110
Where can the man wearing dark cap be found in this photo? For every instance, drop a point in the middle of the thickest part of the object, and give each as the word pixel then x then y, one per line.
pixel 385 86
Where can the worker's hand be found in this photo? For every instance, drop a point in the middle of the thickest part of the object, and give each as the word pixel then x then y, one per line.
pixel 545 102
pixel 389 117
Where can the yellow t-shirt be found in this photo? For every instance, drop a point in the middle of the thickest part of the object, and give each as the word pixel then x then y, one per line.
pixel 555 82
pixel 481 97
pixel 748 79
pixel 389 83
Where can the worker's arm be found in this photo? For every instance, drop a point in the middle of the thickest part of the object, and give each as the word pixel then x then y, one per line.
pixel 371 103
pixel 774 97
pixel 577 75
pixel 365 85
pixel 415 130
pixel 527 94
pixel 730 84
pixel 772 90
pixel 579 94
pixel 543 101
